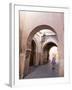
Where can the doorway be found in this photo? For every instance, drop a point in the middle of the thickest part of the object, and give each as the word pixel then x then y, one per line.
pixel 46 51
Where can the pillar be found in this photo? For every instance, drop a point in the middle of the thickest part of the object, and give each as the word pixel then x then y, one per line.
pixel 27 60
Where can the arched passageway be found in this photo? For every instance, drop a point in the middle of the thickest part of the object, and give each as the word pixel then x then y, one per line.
pixel 31 48
pixel 37 29
pixel 46 51
pixel 29 24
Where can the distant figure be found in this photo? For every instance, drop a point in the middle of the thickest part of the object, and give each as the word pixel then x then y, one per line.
pixel 53 63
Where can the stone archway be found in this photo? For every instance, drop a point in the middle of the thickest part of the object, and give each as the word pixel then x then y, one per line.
pixel 51 39
pixel 29 40
pixel 46 50
pixel 37 29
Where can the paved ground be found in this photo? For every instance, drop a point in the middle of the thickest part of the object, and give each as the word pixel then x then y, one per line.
pixel 43 71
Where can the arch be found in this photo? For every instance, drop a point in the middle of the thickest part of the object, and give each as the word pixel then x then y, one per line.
pixel 46 50
pixel 29 40
pixel 50 44
pixel 50 40
pixel 37 29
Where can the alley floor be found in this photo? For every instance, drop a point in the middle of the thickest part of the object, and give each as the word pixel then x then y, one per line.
pixel 43 71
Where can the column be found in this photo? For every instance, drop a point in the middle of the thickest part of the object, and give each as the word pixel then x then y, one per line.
pixel 27 60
